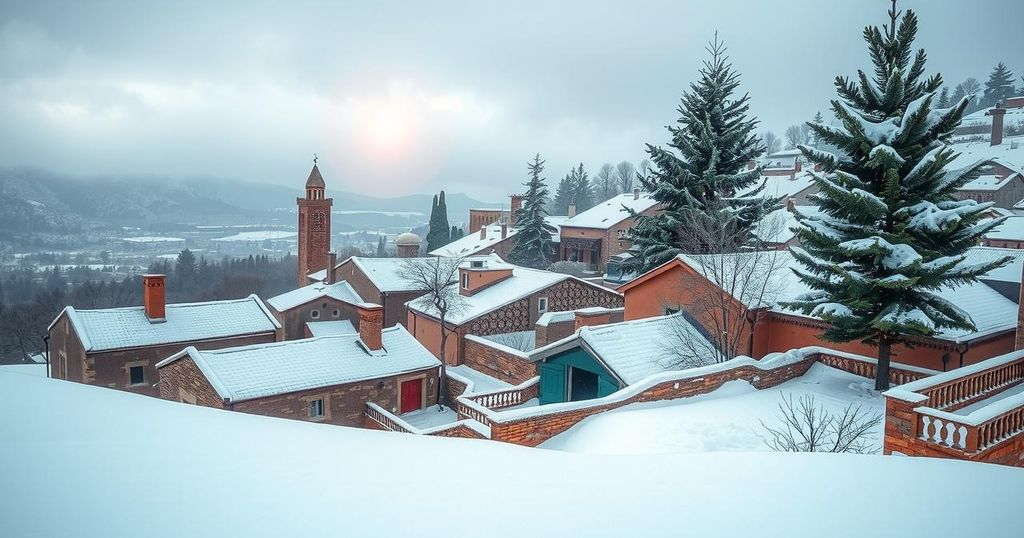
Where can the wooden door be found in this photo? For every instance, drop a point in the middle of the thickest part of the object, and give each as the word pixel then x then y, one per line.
pixel 411 395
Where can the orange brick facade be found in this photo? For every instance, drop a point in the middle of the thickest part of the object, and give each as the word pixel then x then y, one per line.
pixel 613 240
pixel 679 286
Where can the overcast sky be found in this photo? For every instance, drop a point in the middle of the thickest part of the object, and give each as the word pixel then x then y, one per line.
pixel 417 96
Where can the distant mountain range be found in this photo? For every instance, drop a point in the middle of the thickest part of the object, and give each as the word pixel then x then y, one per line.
pixel 34 200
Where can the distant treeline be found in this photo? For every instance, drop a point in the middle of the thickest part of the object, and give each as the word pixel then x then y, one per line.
pixel 30 301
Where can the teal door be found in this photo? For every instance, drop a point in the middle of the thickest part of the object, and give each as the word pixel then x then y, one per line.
pixel 552 383
pixel 605 386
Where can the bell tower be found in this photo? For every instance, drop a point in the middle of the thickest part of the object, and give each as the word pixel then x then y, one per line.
pixel 314 226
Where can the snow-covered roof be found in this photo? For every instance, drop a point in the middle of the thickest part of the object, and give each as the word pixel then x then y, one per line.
pixel 1007 273
pixel 472 243
pixel 1012 229
pixel 989 182
pixel 970 154
pixel 782 186
pixel 385 273
pixel 341 291
pixel 636 349
pixel 990 311
pixel 331 328
pixel 523 282
pixel 261 370
pixel 547 318
pixel 983 118
pixel 611 212
pixel 128 327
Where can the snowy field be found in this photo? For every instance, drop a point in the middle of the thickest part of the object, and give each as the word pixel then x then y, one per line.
pixel 726 419
pixel 113 464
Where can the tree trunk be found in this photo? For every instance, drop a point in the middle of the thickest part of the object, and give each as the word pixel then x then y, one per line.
pixel 882 371
pixel 441 380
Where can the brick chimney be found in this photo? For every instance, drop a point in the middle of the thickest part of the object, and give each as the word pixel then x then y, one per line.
pixel 371 322
pixel 572 209
pixel 504 230
pixel 516 205
pixel 483 232
pixel 153 297
pixel 332 260
pixel 997 114
pixel 636 193
pixel 790 205
pixel 588 317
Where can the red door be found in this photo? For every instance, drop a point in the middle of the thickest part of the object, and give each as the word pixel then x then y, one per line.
pixel 412 395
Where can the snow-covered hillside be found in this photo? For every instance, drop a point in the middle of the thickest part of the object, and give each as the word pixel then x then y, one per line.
pixel 86 461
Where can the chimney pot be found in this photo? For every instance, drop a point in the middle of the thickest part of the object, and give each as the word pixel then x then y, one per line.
pixel 572 209
pixel 636 193
pixel 153 298
pixel 504 230
pixel 790 205
pixel 483 232
pixel 371 322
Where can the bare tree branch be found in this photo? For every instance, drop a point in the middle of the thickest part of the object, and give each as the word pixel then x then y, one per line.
pixel 809 427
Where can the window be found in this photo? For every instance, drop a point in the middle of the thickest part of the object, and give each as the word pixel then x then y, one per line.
pixel 542 305
pixel 476 264
pixel 315 314
pixel 465 280
pixel 670 311
pixel 136 375
pixel 316 408
pixel 335 313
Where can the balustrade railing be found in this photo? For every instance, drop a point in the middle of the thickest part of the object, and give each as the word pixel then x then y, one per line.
pixel 975 386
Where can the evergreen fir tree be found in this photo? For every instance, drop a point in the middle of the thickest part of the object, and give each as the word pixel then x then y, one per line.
pixel 456 233
pixel 583 191
pixel 533 239
pixel 438 231
pixel 697 177
pixel 381 244
pixel 944 97
pixel 892 233
pixel 818 118
pixel 998 87
pixel 564 194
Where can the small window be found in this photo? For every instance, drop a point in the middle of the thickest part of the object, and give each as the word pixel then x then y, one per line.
pixel 316 408
pixel 542 305
pixel 315 314
pixel 476 264
pixel 465 280
pixel 335 313
pixel 136 375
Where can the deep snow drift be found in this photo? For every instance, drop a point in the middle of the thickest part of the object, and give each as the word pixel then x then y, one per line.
pixel 726 419
pixel 87 461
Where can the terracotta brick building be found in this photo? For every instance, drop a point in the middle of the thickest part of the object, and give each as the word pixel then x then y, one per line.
pixel 119 347
pixel 767 327
pixel 324 379
pixel 317 302
pixel 314 226
pixel 498 297
pixel 597 234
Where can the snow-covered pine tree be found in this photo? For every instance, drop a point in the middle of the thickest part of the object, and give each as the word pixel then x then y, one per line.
pixel 818 118
pixel 532 246
pixel 696 178
pixel 944 101
pixel 998 87
pixel 891 234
